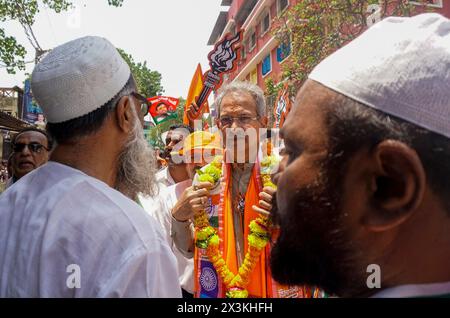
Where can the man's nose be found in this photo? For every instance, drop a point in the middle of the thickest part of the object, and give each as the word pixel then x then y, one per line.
pixel 235 124
pixel 25 151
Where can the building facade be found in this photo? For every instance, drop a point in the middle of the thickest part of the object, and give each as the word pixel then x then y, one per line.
pixel 261 55
pixel 11 101
pixel 11 105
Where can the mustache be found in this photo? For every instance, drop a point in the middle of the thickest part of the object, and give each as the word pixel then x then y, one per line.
pixel 237 134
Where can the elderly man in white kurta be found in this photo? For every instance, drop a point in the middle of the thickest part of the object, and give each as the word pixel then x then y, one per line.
pixel 71 228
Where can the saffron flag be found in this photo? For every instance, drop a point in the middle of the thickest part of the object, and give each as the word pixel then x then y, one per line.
pixel 282 107
pixel 194 91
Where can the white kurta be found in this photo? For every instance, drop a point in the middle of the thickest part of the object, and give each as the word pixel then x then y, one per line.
pixel 163 178
pixel 161 210
pixel 56 220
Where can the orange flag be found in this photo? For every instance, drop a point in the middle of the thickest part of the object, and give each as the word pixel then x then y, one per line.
pixel 194 92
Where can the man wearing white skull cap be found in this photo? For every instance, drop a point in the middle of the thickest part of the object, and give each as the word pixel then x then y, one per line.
pixel 363 187
pixel 71 227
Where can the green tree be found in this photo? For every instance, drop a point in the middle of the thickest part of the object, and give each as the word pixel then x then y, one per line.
pixel 12 53
pixel 316 28
pixel 148 81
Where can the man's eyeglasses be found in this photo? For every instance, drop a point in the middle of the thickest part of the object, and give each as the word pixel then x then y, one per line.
pixel 34 147
pixel 145 105
pixel 227 121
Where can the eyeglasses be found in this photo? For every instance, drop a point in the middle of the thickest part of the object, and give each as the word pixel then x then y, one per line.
pixel 227 121
pixel 145 105
pixel 34 147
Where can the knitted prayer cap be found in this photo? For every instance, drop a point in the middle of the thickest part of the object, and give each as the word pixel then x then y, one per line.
pixel 400 66
pixel 78 77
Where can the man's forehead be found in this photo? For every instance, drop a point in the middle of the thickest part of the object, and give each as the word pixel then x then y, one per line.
pixel 238 99
pixel 308 116
pixel 31 135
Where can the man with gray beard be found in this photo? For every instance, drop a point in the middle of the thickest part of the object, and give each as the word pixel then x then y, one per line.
pixel 71 227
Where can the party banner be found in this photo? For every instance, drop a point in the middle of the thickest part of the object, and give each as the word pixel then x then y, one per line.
pixel 32 113
pixel 163 108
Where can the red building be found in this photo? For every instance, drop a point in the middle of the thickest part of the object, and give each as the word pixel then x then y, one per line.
pixel 440 6
pixel 261 55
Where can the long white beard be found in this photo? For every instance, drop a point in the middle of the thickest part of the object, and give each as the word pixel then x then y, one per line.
pixel 137 165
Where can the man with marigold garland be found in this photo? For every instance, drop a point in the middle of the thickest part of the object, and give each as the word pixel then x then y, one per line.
pixel 231 255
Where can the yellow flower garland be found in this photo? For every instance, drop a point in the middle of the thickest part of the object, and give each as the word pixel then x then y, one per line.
pixel 207 238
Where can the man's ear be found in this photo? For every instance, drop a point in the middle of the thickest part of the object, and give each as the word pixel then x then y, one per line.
pixel 397 185
pixel 264 120
pixel 124 114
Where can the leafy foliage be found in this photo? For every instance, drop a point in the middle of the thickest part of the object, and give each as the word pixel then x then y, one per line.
pixel 148 81
pixel 317 28
pixel 12 53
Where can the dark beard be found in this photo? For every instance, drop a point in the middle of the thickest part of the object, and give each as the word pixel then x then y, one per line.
pixel 313 248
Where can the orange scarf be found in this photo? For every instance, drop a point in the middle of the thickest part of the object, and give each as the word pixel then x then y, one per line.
pixel 207 281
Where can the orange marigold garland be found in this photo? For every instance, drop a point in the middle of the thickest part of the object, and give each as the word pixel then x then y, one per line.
pixel 206 236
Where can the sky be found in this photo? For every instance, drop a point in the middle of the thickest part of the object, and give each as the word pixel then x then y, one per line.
pixel 171 35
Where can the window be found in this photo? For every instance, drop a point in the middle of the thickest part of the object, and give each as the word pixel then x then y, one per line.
pixel 254 77
pixel 265 23
pixel 252 41
pixel 243 52
pixel 284 50
pixel 266 66
pixel 282 5
pixel 429 3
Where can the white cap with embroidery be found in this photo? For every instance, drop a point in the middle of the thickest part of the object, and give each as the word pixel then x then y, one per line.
pixel 78 77
pixel 400 66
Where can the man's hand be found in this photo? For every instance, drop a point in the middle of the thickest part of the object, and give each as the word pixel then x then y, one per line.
pixel 193 111
pixel 265 202
pixel 193 200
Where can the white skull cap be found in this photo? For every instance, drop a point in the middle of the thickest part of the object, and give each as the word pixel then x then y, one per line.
pixel 400 66
pixel 78 77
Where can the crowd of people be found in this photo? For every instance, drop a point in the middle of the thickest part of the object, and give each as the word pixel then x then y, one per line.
pixel 4 175
pixel 361 183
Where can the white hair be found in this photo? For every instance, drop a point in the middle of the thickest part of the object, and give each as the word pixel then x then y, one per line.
pixel 137 164
pixel 239 86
